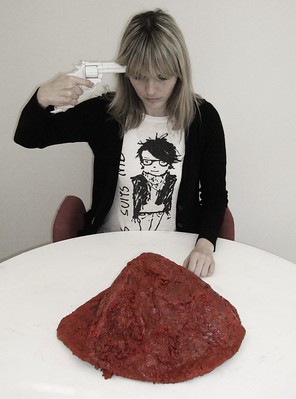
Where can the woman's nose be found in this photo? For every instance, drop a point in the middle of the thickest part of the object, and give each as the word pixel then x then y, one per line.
pixel 150 86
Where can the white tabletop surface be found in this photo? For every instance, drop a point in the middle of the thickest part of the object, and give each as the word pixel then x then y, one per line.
pixel 40 287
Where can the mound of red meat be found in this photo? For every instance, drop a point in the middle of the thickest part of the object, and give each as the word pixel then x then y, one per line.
pixel 157 322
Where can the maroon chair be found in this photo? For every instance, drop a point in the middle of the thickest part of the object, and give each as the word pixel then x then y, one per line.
pixel 227 230
pixel 69 221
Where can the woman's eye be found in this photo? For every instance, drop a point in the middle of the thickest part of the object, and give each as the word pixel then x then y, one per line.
pixel 159 77
pixel 162 77
pixel 139 77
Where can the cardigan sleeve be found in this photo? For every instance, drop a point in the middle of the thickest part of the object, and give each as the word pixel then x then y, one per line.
pixel 202 197
pixel 39 128
pixel 213 193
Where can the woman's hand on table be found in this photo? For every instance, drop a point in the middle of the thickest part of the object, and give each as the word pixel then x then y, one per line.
pixel 200 260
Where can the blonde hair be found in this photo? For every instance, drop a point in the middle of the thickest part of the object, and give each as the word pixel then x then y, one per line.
pixel 153 45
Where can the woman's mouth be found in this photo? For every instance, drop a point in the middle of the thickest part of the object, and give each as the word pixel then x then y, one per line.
pixel 153 99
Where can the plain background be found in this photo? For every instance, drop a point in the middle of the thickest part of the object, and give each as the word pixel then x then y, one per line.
pixel 243 56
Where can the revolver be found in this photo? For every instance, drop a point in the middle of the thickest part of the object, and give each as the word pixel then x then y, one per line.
pixel 94 72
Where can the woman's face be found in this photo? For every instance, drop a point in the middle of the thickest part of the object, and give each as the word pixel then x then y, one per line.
pixel 154 92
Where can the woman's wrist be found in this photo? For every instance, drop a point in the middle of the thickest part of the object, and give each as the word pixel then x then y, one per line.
pixel 204 245
pixel 41 98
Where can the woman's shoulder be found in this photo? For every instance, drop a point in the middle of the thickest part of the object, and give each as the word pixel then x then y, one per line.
pixel 207 121
pixel 97 105
pixel 102 100
pixel 207 107
pixel 207 113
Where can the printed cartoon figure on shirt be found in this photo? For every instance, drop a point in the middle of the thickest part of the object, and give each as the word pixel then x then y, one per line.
pixel 154 187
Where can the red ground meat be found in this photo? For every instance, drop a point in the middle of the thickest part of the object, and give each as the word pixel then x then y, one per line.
pixel 157 322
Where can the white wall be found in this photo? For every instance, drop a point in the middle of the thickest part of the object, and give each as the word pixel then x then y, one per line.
pixel 244 62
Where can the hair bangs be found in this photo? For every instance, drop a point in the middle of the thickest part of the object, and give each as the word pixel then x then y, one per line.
pixel 151 58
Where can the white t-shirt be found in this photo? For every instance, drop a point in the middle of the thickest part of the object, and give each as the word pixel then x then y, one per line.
pixel 149 178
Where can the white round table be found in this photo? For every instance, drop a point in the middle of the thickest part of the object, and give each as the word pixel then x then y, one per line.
pixel 40 287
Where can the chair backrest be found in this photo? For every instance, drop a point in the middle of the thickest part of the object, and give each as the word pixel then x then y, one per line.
pixel 69 219
pixel 227 230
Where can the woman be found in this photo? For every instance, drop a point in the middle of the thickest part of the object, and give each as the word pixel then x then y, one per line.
pixel 153 100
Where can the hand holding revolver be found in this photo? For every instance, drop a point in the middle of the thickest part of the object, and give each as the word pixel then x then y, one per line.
pixel 63 91
pixel 66 91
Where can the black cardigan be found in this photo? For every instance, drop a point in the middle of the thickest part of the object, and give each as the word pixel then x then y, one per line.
pixel 202 196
